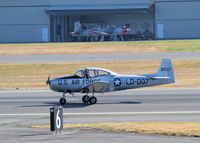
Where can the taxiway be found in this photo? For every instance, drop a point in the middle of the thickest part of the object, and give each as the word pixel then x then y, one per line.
pixel 14 59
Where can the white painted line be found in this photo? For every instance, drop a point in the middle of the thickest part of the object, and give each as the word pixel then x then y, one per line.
pixel 34 100
pixel 134 113
pixel 106 113
pixel 37 100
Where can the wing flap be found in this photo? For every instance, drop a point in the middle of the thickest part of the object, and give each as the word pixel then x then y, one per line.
pixel 97 87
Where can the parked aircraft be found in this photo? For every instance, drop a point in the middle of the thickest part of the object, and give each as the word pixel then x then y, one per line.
pixel 99 31
pixel 80 31
pixel 98 80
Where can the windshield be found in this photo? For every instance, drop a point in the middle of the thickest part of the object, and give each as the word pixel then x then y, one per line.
pixel 79 74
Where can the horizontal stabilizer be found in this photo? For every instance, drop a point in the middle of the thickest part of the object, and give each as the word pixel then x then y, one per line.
pixel 158 78
pixel 103 33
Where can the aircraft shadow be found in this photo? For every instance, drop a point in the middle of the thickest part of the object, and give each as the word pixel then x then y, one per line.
pixel 129 102
pixel 123 102
pixel 67 105
pixel 77 105
pixel 32 135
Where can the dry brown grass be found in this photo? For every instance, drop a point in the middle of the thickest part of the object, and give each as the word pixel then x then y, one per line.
pixel 33 76
pixel 101 47
pixel 191 129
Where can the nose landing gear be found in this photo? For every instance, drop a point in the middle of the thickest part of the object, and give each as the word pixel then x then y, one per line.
pixel 63 100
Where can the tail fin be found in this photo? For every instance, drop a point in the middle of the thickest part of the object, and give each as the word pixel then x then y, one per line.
pixel 77 26
pixel 166 70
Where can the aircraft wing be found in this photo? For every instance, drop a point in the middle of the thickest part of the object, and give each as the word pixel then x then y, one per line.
pixel 101 33
pixel 97 87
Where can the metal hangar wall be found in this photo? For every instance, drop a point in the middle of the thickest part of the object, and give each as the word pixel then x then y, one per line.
pixel 52 21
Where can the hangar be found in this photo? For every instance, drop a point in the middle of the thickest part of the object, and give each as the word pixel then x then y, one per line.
pixel 52 21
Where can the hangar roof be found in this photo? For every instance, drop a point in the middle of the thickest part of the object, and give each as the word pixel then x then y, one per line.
pixel 97 9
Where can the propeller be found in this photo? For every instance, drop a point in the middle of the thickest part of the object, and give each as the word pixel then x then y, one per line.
pixel 48 81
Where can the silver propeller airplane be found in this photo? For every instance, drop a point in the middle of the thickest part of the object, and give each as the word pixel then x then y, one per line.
pixel 98 80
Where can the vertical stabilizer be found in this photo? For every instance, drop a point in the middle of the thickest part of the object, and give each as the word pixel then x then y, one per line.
pixel 166 70
pixel 77 26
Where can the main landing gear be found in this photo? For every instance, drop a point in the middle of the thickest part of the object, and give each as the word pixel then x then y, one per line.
pixel 91 100
pixel 85 99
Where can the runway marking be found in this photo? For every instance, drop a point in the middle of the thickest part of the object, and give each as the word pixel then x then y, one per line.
pixel 23 100
pixel 37 100
pixel 105 113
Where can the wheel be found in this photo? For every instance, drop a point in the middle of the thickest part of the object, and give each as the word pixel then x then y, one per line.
pixel 85 99
pixel 93 100
pixel 62 101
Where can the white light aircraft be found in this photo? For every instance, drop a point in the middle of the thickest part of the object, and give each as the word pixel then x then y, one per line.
pixel 97 31
pixel 98 80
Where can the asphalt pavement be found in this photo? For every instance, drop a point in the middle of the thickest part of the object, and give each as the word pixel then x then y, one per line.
pixel 13 59
pixel 27 135
pixel 20 109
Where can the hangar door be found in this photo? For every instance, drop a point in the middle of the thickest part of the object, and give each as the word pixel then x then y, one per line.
pixel 45 34
pixel 160 31
pixel 62 18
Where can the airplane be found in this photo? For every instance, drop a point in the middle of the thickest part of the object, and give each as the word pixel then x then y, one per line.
pixel 79 31
pixel 97 31
pixel 99 80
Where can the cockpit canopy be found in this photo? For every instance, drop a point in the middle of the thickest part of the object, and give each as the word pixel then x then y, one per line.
pixel 93 72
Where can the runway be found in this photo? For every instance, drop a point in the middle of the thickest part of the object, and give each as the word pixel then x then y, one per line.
pixel 19 109
pixel 13 59
pixel 157 105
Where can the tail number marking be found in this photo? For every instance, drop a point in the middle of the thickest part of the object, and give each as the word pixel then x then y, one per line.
pixel 166 69
pixel 140 81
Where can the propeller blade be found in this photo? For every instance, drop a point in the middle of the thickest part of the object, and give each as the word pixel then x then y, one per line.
pixel 48 81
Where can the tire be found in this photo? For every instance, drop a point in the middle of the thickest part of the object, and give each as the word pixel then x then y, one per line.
pixel 85 98
pixel 62 101
pixel 93 100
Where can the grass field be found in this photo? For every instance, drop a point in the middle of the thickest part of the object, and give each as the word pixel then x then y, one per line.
pixel 190 129
pixel 102 47
pixel 33 76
